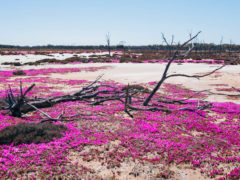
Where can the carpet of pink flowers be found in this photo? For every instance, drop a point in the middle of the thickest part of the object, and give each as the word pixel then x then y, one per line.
pixel 208 141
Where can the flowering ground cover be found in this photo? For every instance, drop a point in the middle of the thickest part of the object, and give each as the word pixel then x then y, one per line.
pixel 34 72
pixel 103 142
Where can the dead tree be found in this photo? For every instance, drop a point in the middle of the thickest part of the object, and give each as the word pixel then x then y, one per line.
pixel 127 102
pixel 169 44
pixel 19 105
pixel 221 47
pixel 94 95
pixel 176 55
pixel 15 103
pixel 230 47
pixel 108 40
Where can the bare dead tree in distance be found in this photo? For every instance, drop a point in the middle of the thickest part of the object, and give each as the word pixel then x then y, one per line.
pixel 108 40
pixel 169 45
pixel 221 47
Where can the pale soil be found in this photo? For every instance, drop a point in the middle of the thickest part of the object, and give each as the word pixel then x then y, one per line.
pixel 33 57
pixel 130 170
pixel 143 73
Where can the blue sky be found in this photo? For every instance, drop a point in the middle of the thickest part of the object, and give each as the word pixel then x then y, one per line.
pixel 138 22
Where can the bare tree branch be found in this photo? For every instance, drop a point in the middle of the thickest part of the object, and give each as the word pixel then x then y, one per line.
pixel 236 89
pixel 108 40
pixel 195 76
pixel 176 55
pixel 126 102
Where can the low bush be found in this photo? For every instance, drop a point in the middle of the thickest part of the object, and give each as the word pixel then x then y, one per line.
pixel 19 73
pixel 136 87
pixel 27 133
pixel 12 63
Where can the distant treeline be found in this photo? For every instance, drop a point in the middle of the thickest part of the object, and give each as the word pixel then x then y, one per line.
pixel 198 46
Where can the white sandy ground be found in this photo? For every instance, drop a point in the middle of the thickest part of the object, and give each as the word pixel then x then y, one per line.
pixel 32 57
pixel 145 72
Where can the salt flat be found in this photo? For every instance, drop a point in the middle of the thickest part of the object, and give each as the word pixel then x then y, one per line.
pixel 142 73
pixel 26 58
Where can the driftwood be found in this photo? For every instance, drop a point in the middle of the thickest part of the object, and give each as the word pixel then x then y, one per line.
pixel 15 103
pixel 20 105
pixel 126 103
pixel 88 93
pixel 91 93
